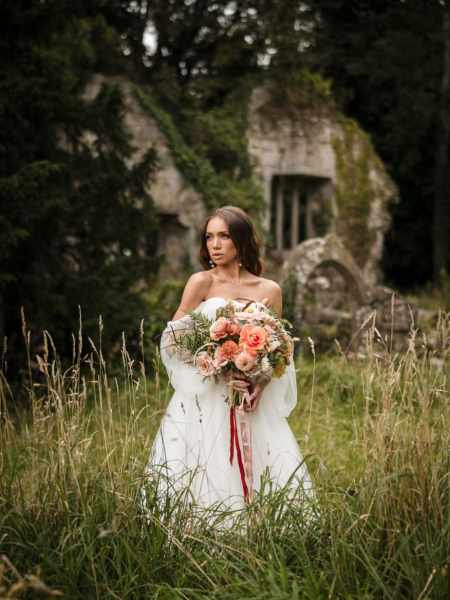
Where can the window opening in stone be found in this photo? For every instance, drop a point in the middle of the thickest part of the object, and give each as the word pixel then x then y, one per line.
pixel 287 217
pixel 296 201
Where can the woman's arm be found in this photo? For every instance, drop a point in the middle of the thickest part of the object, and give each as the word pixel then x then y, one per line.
pixel 277 303
pixel 195 290
pixel 274 299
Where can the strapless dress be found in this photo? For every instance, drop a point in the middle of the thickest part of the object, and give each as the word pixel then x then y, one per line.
pixel 191 450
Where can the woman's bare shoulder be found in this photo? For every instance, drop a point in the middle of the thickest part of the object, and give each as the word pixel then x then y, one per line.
pixel 272 291
pixel 201 279
pixel 195 290
pixel 269 285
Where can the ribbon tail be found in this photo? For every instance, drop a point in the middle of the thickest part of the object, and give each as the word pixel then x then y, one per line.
pixel 234 444
pixel 232 429
pixel 246 439
pixel 240 463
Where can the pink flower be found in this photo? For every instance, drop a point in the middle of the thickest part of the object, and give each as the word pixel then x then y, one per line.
pixel 219 329
pixel 244 361
pixel 204 364
pixel 234 328
pixel 227 351
pixel 253 338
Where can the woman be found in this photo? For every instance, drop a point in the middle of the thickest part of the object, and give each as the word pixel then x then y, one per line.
pixel 191 449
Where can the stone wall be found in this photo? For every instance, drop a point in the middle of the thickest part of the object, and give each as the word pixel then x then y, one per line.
pixel 330 153
pixel 181 207
pixel 325 145
pixel 327 298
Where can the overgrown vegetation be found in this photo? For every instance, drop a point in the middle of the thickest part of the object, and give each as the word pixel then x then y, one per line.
pixel 375 436
pixel 78 226
pixel 355 190
pixel 214 157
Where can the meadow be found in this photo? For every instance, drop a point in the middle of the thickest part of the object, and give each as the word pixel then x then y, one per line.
pixel 374 430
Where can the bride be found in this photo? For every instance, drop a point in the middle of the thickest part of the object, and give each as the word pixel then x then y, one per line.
pixel 191 449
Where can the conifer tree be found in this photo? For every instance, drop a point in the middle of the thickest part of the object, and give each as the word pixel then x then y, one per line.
pixel 77 224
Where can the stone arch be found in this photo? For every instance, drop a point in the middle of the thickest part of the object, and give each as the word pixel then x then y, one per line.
pixel 306 258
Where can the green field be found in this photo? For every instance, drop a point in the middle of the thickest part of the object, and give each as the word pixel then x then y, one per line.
pixel 375 434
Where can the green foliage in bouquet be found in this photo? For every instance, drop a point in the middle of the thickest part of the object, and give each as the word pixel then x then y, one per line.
pixel 195 335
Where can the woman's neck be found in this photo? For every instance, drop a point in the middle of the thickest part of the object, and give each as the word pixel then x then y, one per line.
pixel 232 273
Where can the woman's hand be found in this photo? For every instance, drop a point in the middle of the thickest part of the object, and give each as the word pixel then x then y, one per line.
pixel 251 392
pixel 251 399
pixel 240 385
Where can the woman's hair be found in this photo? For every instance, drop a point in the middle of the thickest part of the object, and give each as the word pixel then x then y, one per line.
pixel 243 234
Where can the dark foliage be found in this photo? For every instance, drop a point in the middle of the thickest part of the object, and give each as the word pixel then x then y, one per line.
pixel 77 225
pixel 386 61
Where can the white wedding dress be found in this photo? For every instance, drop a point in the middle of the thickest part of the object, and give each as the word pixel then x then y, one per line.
pixel 191 448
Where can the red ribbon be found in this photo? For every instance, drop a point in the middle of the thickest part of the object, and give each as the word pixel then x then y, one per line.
pixel 234 443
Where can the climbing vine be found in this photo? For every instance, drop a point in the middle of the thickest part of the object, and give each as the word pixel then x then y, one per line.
pixel 302 94
pixel 214 159
pixel 354 190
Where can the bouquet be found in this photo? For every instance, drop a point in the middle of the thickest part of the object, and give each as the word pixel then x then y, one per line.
pixel 246 342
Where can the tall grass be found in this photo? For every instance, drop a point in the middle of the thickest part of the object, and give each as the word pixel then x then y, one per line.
pixel 375 433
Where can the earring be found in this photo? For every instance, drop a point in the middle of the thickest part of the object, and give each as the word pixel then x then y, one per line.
pixel 211 264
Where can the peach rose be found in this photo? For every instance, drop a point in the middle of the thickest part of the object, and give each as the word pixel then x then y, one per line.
pixel 219 329
pixel 204 363
pixel 253 338
pixel 244 361
pixel 233 328
pixel 226 352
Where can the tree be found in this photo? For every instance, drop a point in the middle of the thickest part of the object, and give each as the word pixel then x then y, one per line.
pixel 441 214
pixel 78 226
pixel 385 60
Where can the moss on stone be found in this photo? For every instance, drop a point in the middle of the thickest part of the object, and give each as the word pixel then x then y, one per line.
pixel 289 290
pixel 302 92
pixel 354 191
pixel 215 161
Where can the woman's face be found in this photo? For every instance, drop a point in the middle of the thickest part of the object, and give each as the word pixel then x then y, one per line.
pixel 220 246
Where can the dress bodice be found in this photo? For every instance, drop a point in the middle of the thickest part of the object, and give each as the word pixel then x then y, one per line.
pixel 187 380
pixel 209 306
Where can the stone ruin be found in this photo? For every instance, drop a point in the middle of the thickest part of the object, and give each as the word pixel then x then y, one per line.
pixel 180 207
pixel 326 198
pixel 327 298
pixel 320 174
pixel 317 171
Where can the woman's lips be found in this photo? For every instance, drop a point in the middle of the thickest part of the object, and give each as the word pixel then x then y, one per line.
pixel 217 255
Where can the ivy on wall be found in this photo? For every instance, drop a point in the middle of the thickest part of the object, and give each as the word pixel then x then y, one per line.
pixel 214 159
pixel 354 190
pixel 302 95
pixel 209 148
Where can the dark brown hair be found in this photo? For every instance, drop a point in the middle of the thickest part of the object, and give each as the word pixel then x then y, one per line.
pixel 243 234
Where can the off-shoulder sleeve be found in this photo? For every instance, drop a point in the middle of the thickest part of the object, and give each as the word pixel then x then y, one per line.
pixel 183 376
pixel 282 391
